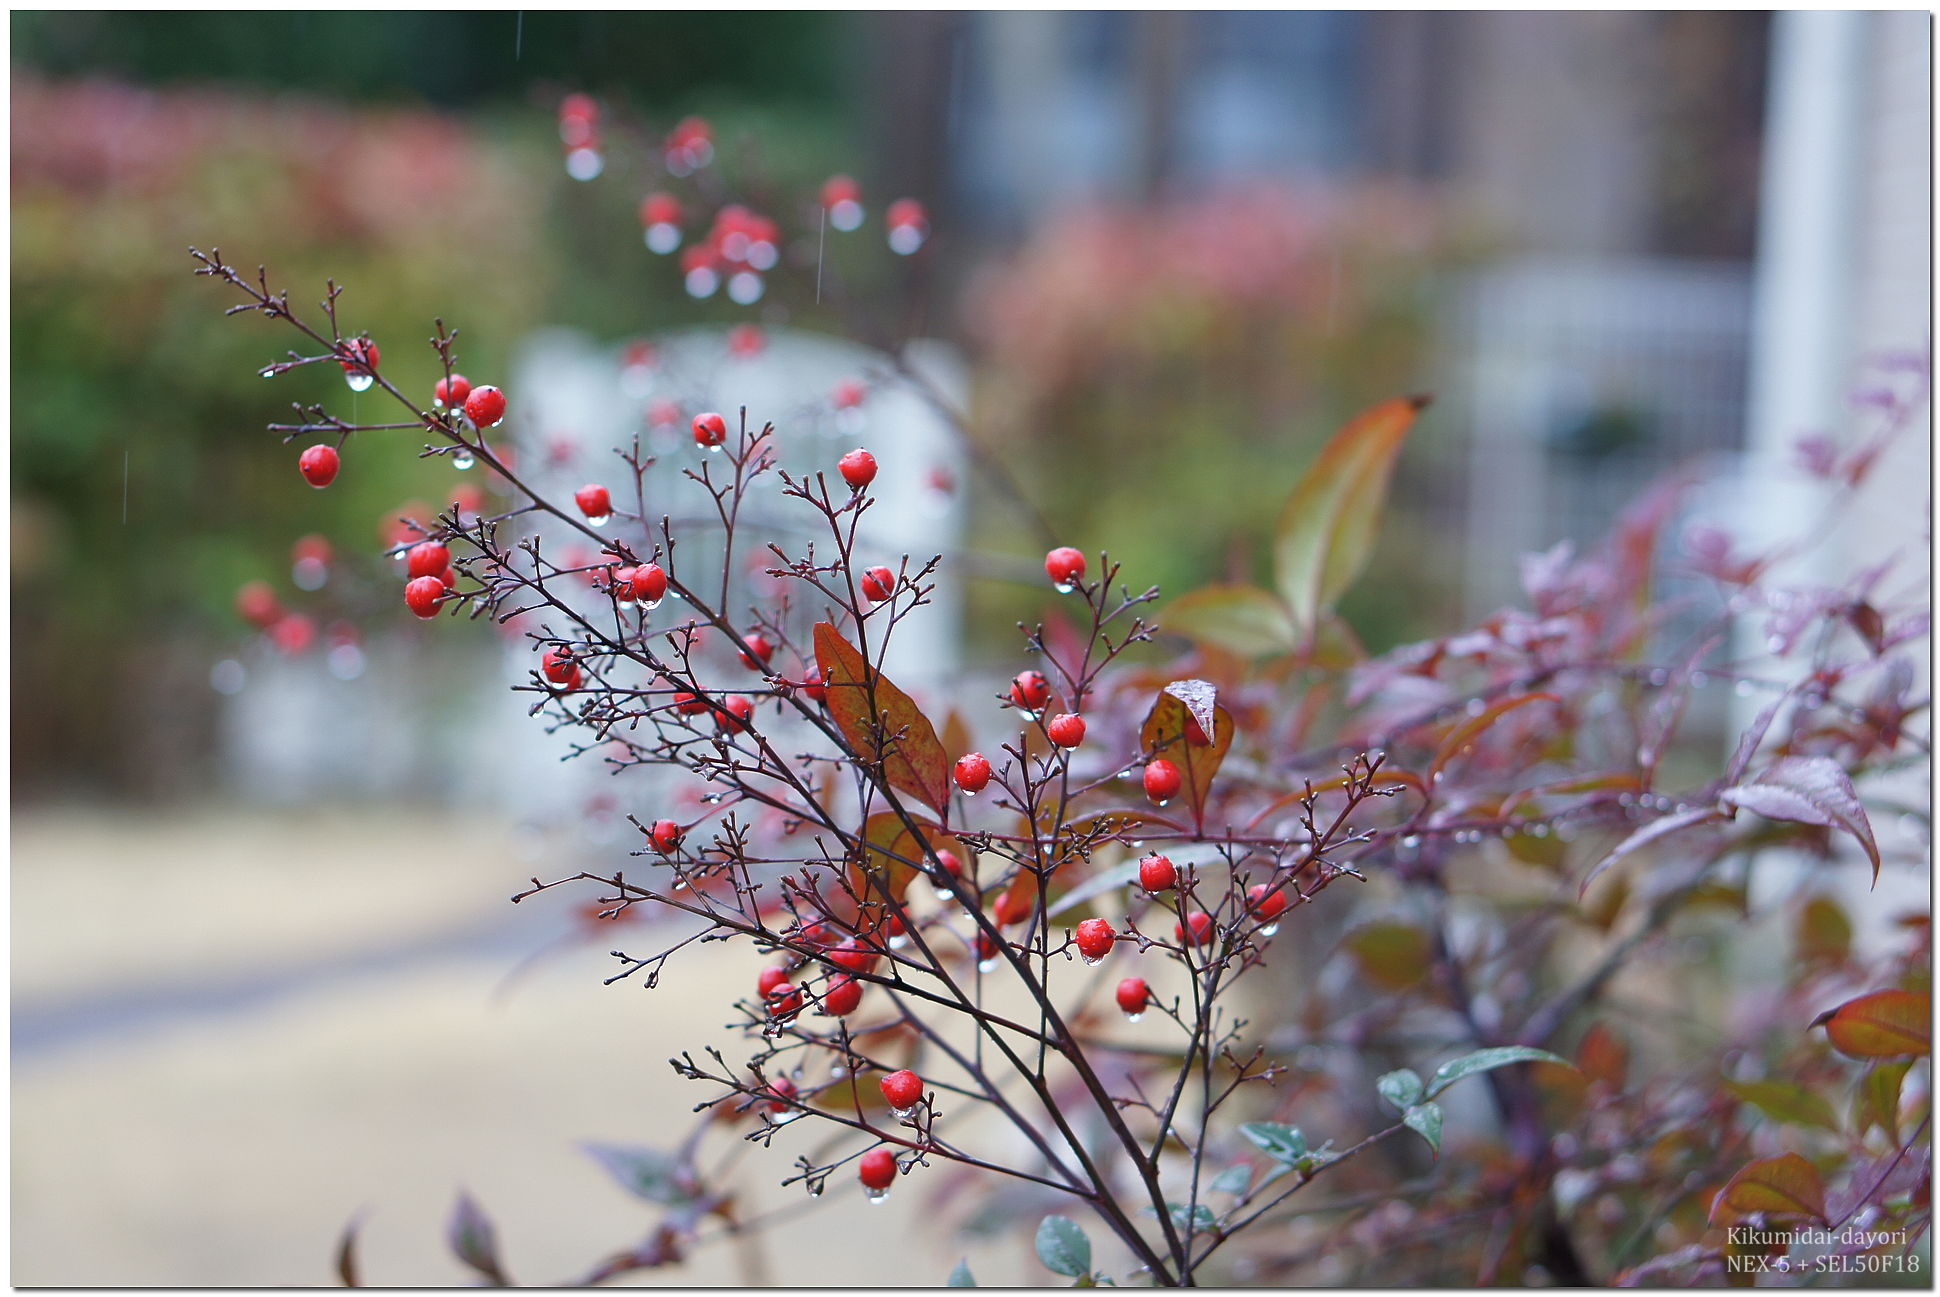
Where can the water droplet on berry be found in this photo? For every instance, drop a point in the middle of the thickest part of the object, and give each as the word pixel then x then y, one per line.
pixel 662 237
pixel 462 460
pixel 598 520
pixel 1091 961
pixel 584 164
pixel 902 1114
pixel 898 941
pixel 1163 802
pixel 875 1195
pixel 846 215
pixel 701 282
pixel 359 381
pixel 763 255
pixel 346 661
pixel 987 965
pixel 1030 716
pixel 905 239
pixel 310 573
pixel 745 287
pixel 1064 587
pixel 1268 930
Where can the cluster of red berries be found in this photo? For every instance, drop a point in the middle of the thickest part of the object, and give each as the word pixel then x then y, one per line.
pixel 579 123
pixel 739 248
pixel 909 226
pixel 429 577
pixel 689 146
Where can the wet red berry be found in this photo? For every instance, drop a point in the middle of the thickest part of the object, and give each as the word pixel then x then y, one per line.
pixel 557 665
pixel 878 583
pixel 688 704
pixel 646 583
pixel 760 649
pixel 783 1089
pixel 812 686
pixel 1012 907
pixel 423 595
pixel 1162 781
pixel 858 468
pixel 319 465
pixel 1065 566
pixel 848 394
pixel 1156 874
pixel 768 979
pixel 362 356
pixel 853 955
pixel 257 604
pixel 1030 690
pixel 451 391
pixel 877 1169
pixel 784 1000
pixel 1265 905
pixel 1095 938
pixel 594 501
pixel 1067 730
pixel 902 1089
pixel 666 836
pixel 843 996
pixel 973 773
pixel 734 714
pixel 709 429
pixel 1201 925
pixel 485 406
pixel 1134 995
pixel 428 558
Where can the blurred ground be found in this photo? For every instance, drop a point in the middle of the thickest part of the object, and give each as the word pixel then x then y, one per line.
pixel 235 1030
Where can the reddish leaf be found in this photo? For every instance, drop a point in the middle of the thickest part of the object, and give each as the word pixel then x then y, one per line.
pixel 1808 790
pixel 1393 956
pixel 1471 729
pixel 1189 728
pixel 1241 619
pixel 1884 1024
pixel 347 1257
pixel 1604 1056
pixel 1329 525
pixel 881 722
pixel 1775 1186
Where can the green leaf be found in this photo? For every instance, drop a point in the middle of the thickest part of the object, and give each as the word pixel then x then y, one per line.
pixel 1425 1120
pixel 1394 956
pixel 1329 525
pixel 1241 619
pixel 1402 1088
pixel 1483 1060
pixel 961 1277
pixel 1787 1102
pixel 1063 1247
pixel 646 1173
pixel 1877 1101
pixel 1281 1143
pixel 881 722
pixel 1234 1179
pixel 1200 1218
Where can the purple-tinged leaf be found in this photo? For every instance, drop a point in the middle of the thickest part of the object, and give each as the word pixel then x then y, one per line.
pixel 1647 834
pixel 1808 790
pixel 347 1257
pixel 474 1241
pixel 647 1173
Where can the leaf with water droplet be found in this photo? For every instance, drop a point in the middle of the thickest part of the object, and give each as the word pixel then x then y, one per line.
pixel 882 723
pixel 1063 1247
pixel 1401 1088
pixel 1425 1120
pixel 1485 1060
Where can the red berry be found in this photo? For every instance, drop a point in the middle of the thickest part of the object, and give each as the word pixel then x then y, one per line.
pixel 854 956
pixel 1065 566
pixel 1162 780
pixel 840 189
pixel 450 579
pixel 973 772
pixel 485 406
pixel 363 356
pixel 1134 995
pixel 879 583
pixel 423 595
pixel 760 649
pixel 1095 938
pixel 1201 924
pixel 689 704
pixel 734 714
pixel 904 211
pixel 1030 690
pixel 843 996
pixel 594 501
pixel 987 947
pixel 557 665
pixel 660 209
pixel 784 1000
pixel 1265 905
pixel 709 429
pixel 646 583
pixel 813 687
pixel 770 977
pixel 947 861
pixel 746 340
pixel 1067 730
pixel 428 558
pixel 1012 907
pixel 902 1089
pixel 783 1089
pixel 452 391
pixel 319 465
pixel 258 605
pixel 858 468
pixel 666 836
pixel 1195 735
pixel 1156 874
pixel 877 1169
pixel 848 394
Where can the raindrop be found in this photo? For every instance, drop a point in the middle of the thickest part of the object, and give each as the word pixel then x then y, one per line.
pixel 783 1118
pixel 1411 842
pixel 650 604
pixel 701 282
pixel 1775 644
pixel 1539 830
pixel 462 460
pixel 815 1190
pixel 1476 706
pixel 899 941
pixel 1269 929
pixel 902 1114
pixel 1064 587
pixel 1133 1017
pixel 763 255
pixel 846 215
pixel 359 381
pixel 1091 961
pixel 1743 689
pixel 987 965
pixel 745 287
pixel 1699 679
pixel 310 573
pixel 1658 678
pixel 228 677
pixel 1163 802
pixel 905 239
pixel 662 237
pixel 598 520
pixel 584 164
pixel 346 661
pixel 875 1195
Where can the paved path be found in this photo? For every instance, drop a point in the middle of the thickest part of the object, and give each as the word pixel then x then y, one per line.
pixel 234 1031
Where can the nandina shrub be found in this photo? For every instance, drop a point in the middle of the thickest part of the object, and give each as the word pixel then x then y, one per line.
pixel 1162 944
